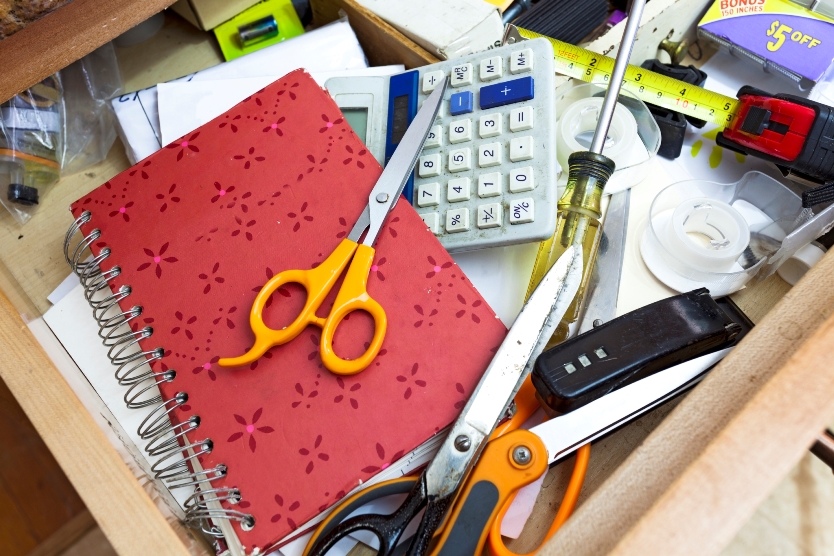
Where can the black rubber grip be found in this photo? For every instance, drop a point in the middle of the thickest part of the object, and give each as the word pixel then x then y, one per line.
pixel 818 195
pixel 472 521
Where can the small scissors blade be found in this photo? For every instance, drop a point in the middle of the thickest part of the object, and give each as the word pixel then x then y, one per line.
pixel 389 187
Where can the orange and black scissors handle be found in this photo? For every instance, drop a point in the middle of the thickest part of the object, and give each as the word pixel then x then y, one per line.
pixel 387 528
pixel 485 494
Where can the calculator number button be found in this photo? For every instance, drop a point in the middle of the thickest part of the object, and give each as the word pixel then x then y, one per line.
pixel 521 179
pixel 489 125
pixel 428 194
pixel 492 68
pixel 432 79
pixel 458 190
pixel 489 155
pixel 461 103
pixel 460 131
pixel 460 160
pixel 461 75
pixel 489 185
pixel 521 61
pixel 489 216
pixel 428 166
pixel 508 92
pixel 432 221
pixel 457 220
pixel 435 137
pixel 522 211
pixel 521 119
pixel 521 148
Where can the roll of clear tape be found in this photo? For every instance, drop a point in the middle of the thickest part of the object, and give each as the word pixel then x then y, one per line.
pixel 778 228
pixel 709 234
pixel 622 145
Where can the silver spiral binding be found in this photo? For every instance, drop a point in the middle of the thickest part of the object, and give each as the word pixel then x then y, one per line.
pixel 177 465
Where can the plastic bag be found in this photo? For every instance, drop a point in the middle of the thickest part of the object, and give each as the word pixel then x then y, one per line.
pixel 59 126
pixel 31 146
pixel 89 129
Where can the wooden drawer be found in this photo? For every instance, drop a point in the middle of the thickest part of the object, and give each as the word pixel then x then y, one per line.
pixel 681 480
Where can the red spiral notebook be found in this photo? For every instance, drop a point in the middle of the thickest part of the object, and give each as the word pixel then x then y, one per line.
pixel 197 229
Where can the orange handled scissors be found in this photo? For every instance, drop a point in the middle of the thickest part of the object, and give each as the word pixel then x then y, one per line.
pixel 351 253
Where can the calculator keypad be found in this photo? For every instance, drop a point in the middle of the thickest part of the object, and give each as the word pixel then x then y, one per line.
pixel 492 68
pixel 428 166
pixel 458 190
pixel 522 179
pixel 457 220
pixel 487 174
pixel 460 131
pixel 490 216
pixel 489 185
pixel 428 194
pixel 431 80
pixel 490 125
pixel 521 61
pixel 521 119
pixel 489 154
pixel 435 138
pixel 460 160
pixel 461 75
pixel 521 148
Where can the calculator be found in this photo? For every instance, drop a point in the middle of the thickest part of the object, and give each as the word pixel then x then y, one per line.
pixel 487 173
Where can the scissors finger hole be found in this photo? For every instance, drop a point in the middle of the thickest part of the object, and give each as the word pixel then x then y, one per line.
pixel 284 305
pixel 353 336
pixel 385 506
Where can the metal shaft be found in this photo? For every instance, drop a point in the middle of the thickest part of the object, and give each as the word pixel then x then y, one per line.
pixel 635 14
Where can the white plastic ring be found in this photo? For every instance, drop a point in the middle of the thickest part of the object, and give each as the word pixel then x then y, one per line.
pixel 707 233
pixel 622 145
pixel 801 262
pixel 580 119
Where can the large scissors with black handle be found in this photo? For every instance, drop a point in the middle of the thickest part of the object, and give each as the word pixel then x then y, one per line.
pixel 353 294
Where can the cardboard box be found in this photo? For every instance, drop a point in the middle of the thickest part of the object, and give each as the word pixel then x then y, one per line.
pixel 208 14
pixel 383 44
pixel 778 35
pixel 446 28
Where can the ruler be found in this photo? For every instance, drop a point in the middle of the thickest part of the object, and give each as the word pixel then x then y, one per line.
pixel 648 86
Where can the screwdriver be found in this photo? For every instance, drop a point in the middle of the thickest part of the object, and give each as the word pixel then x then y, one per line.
pixel 577 219
pixel 579 212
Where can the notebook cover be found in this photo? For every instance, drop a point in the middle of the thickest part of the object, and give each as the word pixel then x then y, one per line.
pixel 198 227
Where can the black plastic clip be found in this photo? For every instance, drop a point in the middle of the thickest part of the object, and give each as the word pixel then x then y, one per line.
pixel 673 124
pixel 22 194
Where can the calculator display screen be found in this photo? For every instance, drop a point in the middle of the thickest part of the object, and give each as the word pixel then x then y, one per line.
pixel 400 119
pixel 357 119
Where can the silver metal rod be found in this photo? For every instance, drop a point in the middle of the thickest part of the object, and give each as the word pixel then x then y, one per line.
pixel 635 14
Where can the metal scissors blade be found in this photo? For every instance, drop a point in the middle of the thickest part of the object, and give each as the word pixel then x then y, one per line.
pixel 389 187
pixel 525 340
pixel 566 433
pixel 604 286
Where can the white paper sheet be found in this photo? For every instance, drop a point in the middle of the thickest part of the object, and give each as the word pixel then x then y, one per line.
pixel 186 105
pixel 71 320
pixel 329 48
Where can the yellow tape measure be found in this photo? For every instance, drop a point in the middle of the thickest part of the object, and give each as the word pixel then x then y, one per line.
pixel 648 86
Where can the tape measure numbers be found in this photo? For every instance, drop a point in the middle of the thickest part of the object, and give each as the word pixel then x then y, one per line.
pixel 646 85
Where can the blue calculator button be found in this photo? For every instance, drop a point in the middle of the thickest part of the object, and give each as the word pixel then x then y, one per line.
pixel 460 103
pixel 507 92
